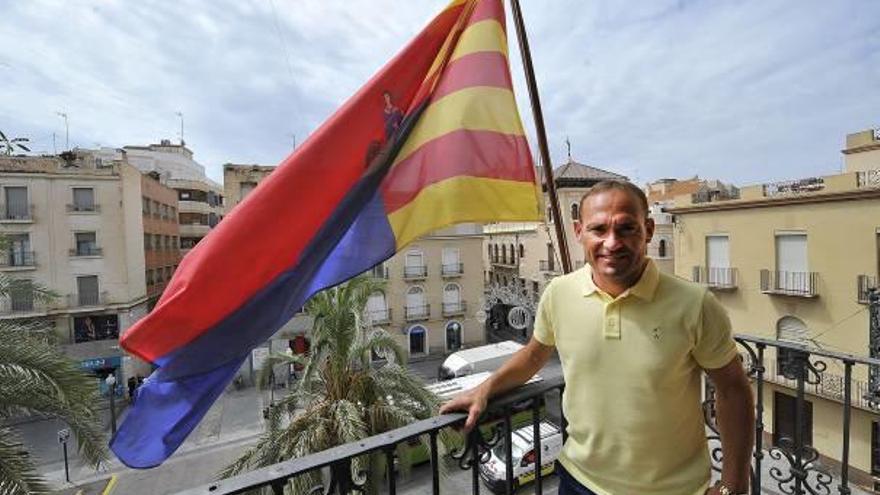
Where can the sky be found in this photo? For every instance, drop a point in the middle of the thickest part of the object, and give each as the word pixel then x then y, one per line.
pixel 738 90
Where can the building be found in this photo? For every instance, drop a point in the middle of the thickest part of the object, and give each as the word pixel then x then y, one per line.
pixel 793 261
pixel 661 195
pixel 523 257
pixel 161 234
pixel 200 199
pixel 433 286
pixel 75 226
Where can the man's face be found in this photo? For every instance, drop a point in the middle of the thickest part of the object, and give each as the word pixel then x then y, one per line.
pixel 615 233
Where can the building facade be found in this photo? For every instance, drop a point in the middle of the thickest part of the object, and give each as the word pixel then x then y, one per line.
pixel 200 199
pixel 240 179
pixel 75 226
pixel 161 234
pixel 793 261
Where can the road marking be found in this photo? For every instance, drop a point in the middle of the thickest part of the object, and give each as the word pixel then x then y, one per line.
pixel 110 486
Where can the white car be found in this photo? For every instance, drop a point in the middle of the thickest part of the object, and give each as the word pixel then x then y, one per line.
pixel 494 471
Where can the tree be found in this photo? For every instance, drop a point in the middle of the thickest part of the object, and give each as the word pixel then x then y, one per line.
pixel 36 378
pixel 9 146
pixel 343 395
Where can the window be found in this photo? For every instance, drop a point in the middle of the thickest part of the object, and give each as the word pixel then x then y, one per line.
pixel 146 205
pixel 147 245
pixel 453 336
pixel 17 207
pixel 575 211
pixel 661 248
pixel 173 214
pixel 522 251
pixel 377 307
pixel 496 253
pixel 512 255
pixel 18 251
pixel 155 208
pixel 87 290
pixel 791 262
pixel 83 199
pixel 21 296
pixel 414 265
pixel 789 329
pixel 504 254
pixel 148 276
pixel 718 260
pixel 86 244
pixel 418 340
pixel 452 299
pixel 451 259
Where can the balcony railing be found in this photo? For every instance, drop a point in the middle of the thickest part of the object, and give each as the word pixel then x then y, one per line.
pixel 715 278
pixel 82 299
pixel 502 261
pixel 17 213
pixel 417 312
pixel 20 304
pixel 864 285
pixel 454 308
pixel 379 316
pixel 801 284
pixel 546 266
pixel 868 178
pixel 380 272
pixel 796 467
pixel 77 208
pixel 452 269
pixel 415 272
pixel 87 251
pixel 18 259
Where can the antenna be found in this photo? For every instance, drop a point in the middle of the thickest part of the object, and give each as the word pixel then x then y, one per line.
pixel 568 144
pixel 66 130
pixel 292 136
pixel 180 114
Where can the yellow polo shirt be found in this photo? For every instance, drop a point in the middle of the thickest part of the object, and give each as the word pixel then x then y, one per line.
pixel 632 371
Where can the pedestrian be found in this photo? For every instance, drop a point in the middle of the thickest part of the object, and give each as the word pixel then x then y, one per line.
pixel 632 343
pixel 132 385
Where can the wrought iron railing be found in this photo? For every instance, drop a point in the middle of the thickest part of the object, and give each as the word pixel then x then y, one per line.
pixel 379 316
pixel 715 277
pixel 86 251
pixel 802 284
pixel 797 466
pixel 83 207
pixel 864 285
pixel 452 269
pixel 417 312
pixel 17 212
pixel 454 308
pixel 380 272
pixel 87 298
pixel 413 272
pixel 15 258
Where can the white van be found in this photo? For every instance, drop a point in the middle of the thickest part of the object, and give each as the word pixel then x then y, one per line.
pixel 484 358
pixel 494 471
pixel 448 389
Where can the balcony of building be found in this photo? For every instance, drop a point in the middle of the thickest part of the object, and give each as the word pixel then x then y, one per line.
pixel 379 316
pixel 83 208
pixel 782 463
pixel 797 284
pixel 22 304
pixel 864 285
pixel 451 270
pixel 415 272
pixel 722 279
pixel 417 312
pixel 87 299
pixel 380 272
pixel 86 251
pixel 17 213
pixel 456 308
pixel 504 261
pixel 15 260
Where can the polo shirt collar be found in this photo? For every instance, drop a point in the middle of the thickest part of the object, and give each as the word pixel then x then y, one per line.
pixel 644 289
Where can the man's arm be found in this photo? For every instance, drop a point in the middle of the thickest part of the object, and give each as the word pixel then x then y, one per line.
pixel 735 407
pixel 517 370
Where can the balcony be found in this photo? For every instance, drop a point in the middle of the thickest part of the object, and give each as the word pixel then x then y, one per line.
pixel 798 284
pixel 379 316
pixel 454 308
pixel 777 467
pixel 417 312
pixel 547 266
pixel 87 299
pixel 22 305
pixel 82 251
pixel 83 208
pixel 18 260
pixel 380 272
pixel 505 262
pixel 722 279
pixel 868 178
pixel 450 270
pixel 17 213
pixel 415 272
pixel 864 285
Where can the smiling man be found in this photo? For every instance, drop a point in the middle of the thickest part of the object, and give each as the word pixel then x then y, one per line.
pixel 633 343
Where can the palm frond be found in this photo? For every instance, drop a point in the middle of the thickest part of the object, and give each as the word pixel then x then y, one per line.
pixel 271 364
pixel 18 474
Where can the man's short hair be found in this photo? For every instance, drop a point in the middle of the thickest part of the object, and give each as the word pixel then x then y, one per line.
pixel 617 185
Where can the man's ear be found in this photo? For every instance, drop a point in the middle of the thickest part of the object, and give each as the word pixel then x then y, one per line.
pixel 578 227
pixel 649 229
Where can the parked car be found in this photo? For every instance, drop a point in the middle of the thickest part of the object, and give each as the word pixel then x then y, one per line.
pixel 494 471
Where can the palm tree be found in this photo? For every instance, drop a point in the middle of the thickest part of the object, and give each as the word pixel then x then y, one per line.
pixel 343 395
pixel 36 378
pixel 9 146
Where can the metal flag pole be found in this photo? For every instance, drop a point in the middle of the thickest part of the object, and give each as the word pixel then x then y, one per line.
pixel 542 135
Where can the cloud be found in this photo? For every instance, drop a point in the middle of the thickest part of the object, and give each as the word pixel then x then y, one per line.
pixel 744 91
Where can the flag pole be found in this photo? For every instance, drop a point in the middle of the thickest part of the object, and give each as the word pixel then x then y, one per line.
pixel 542 135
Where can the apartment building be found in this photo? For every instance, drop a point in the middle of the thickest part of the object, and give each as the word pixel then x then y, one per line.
pixel 161 234
pixel 793 261
pixel 75 226
pixel 521 258
pixel 200 199
pixel 240 179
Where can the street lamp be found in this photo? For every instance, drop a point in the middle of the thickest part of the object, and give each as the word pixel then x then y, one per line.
pixel 111 384
pixel 63 437
pixel 289 353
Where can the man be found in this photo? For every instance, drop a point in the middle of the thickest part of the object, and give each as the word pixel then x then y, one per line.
pixel 633 343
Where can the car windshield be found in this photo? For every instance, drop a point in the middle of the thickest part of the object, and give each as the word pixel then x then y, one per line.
pixel 501 453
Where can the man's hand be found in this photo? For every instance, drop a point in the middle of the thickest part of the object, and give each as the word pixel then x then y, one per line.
pixel 472 402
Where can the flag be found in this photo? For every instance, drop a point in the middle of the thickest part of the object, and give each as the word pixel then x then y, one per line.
pixel 432 140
